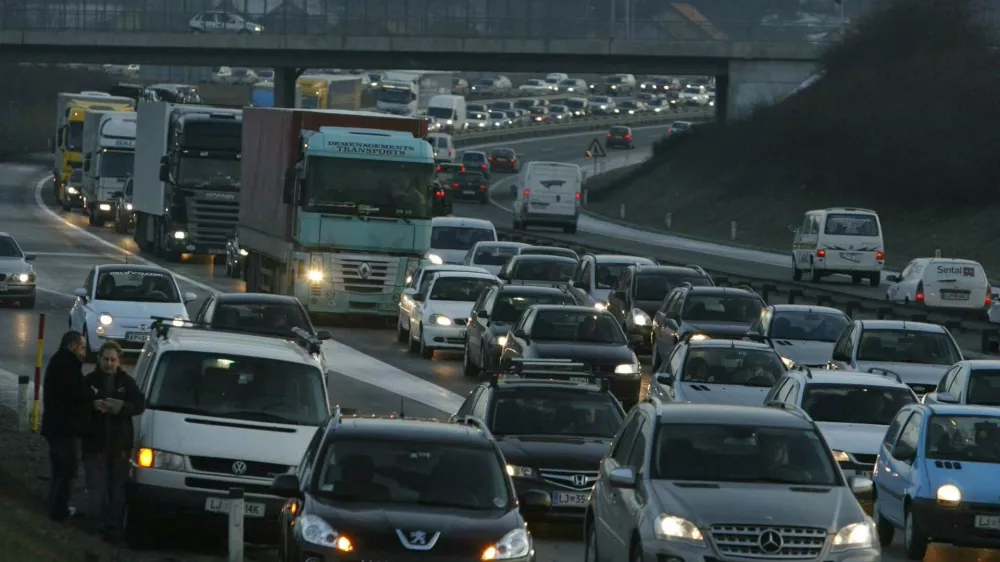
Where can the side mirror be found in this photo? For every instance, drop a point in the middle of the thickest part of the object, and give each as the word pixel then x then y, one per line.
pixel 323 335
pixel 520 334
pixel 288 194
pixel 29 257
pixel 418 297
pixel 534 502
pixel 86 164
pixel 623 477
pixel 892 278
pixel 190 297
pixel 484 314
pixel 904 453
pixel 409 292
pixel 946 398
pixel 634 340
pixel 286 486
pixel 666 379
pixel 165 168
pixel 861 485
pixel 82 293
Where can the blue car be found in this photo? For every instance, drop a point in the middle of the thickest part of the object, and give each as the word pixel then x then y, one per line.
pixel 937 477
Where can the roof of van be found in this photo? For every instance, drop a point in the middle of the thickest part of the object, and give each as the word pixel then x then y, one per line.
pixel 229 343
pixel 461 221
pixel 843 209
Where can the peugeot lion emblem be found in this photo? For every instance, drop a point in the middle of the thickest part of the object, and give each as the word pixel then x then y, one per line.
pixel 579 479
pixel 417 540
pixel 770 542
pixel 364 270
pixel 239 467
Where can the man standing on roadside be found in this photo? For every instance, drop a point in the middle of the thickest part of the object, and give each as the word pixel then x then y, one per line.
pixel 66 404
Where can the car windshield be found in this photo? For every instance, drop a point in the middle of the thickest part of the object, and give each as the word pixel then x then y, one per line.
pixel 739 453
pixel 801 325
pixel 406 472
pixel 543 270
pixel 539 110
pixel 116 164
pixel 501 105
pixel 136 285
pixel 462 289
pixel 8 248
pixel 964 438
pixel 485 82
pixel 553 412
pixel 721 308
pixel 477 115
pixel 441 112
pixel 498 115
pixel 732 365
pixel 984 387
pixel 459 237
pixel 602 100
pixel 207 171
pixel 222 385
pixel 473 157
pixel 557 109
pixel 472 177
pixel 276 319
pixel 494 255
pixel 680 125
pixel 607 274
pixel 908 346
pixel 614 80
pixel 502 153
pixel 576 104
pixel 853 403
pixel 619 131
pixel 656 286
pixel 851 224
pixel 525 104
pixel 509 307
pixel 577 326
pixel 627 103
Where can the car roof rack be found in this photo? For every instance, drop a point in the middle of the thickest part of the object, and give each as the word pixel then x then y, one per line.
pixel 553 370
pixel 747 288
pixel 802 368
pixel 162 325
pixel 473 422
pixel 886 373
pixel 788 408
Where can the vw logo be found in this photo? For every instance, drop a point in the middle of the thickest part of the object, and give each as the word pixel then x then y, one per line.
pixel 364 270
pixel 239 467
pixel 579 480
pixel 770 542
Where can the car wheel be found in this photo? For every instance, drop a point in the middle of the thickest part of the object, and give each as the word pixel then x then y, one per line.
pixel 468 368
pixel 590 552
pixel 875 279
pixel 814 274
pixel 426 351
pixel 414 344
pixel 886 531
pixel 402 334
pixel 914 539
pixel 796 274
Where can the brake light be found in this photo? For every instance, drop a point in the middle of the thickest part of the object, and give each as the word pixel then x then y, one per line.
pixel 609 136
pixel 989 294
pixel 820 253
pixel 463 167
pixel 491 158
pixel 439 168
pixel 920 292
pixel 513 159
pixel 483 187
pixel 577 195
pixel 449 152
pixel 628 137
pixel 455 185
pixel 439 194
pixel 484 166
pixel 670 131
pixel 879 256
pixel 527 192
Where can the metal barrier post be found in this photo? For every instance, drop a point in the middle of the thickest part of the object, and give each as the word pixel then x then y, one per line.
pixel 585 192
pixel 732 230
pixel 236 508
pixel 38 373
pixel 622 212
pixel 23 403
pixel 937 252
pixel 669 219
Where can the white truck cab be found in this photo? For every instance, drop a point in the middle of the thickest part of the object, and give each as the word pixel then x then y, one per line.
pixel 447 113
pixel 108 157
pixel 844 240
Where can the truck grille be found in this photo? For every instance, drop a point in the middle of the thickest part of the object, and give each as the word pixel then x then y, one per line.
pixel 770 543
pixel 211 216
pixel 363 274
pixel 569 478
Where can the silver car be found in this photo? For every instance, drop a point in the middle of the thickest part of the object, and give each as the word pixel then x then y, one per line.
pixel 17 277
pixel 222 22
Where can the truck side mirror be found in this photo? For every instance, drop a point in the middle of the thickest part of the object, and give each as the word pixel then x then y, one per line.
pixel 165 168
pixel 86 164
pixel 60 136
pixel 288 195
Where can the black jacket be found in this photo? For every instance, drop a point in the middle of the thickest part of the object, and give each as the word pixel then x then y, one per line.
pixel 67 398
pixel 112 433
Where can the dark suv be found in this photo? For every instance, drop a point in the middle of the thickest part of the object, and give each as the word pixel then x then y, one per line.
pixel 475 161
pixel 619 137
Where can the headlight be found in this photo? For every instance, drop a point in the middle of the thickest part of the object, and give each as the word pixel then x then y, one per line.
pixel 104 207
pixel 949 493
pixel 179 321
pixel 435 259
pixel 105 319
pixel 520 471
pixel 314 530
pixel 627 369
pixel 670 528
pixel 23 277
pixel 604 107
pixel 789 364
pixel 315 275
pixel 631 112
pixel 440 320
pixel 151 458
pixel 128 206
pixel 500 341
pixel 640 318
pixel 698 337
pixel 856 535
pixel 841 456
pixel 601 305
pixel 180 235
pixel 244 253
pixel 449 122
pixel 515 544
pixel 72 190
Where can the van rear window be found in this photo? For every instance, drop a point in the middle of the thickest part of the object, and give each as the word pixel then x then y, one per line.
pixel 851 224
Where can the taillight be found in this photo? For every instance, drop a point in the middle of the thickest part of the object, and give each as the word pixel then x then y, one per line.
pixel 527 192
pixel 609 136
pixel 439 168
pixel 989 294
pixel 463 167
pixel 455 185
pixel 483 187
pixel 449 152
pixel 820 253
pixel 491 158
pixel 484 166
pixel 628 137
pixel 920 292
pixel 879 256
pixel 577 195
pixel 513 160
pixel 670 131
pixel 439 194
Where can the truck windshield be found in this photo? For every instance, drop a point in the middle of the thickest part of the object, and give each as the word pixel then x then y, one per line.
pixel 441 112
pixel 116 164
pixel 395 96
pixel 370 187
pixel 198 171
pixel 309 102
pixel 74 137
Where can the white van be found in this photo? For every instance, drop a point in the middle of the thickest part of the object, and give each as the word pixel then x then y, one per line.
pixel 453 237
pixel 839 240
pixel 549 195
pixel 443 146
pixel 447 113
pixel 941 283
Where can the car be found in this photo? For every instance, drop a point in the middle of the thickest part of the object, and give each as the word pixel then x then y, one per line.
pixel 945 283
pixel 223 22
pixel 974 382
pixel 444 147
pixel 471 185
pixel 546 271
pixel 534 86
pixel 660 105
pixel 919 352
pixel 478 120
pixel 440 313
pixel 573 86
pixel 120 302
pixel 73 196
pixel 262 314
pixel 694 95
pixel 453 237
pixel 445 173
pixel 528 103
pixel 540 115
pixel 549 251
pixel 427 485
pixel 549 195
pixel 499 120
pixel 579 107
pixel 672 96
pixel 659 83
pixel 629 107
pixel 124 219
pixel 711 311
pixel 725 483
pixel 597 274
pixel 579 334
pixel 492 256
pixel 414 283
pixel 936 476
pixel 476 160
pixel 497 309
pixel 845 240
pixel 852 409
pixel 459 86
pixel 516 117
pixel 17 282
pixel 553 79
pixel 479 107
pixel 553 424
pixel 619 136
pixel 504 160
pixel 703 370
pixel 641 289
pixel 804 334
pixel 680 128
pixel 560 112
pixel 502 105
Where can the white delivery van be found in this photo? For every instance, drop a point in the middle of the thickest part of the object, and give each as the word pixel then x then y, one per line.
pixel 548 195
pixel 447 113
pixel 453 237
pixel 444 147
pixel 941 283
pixel 843 240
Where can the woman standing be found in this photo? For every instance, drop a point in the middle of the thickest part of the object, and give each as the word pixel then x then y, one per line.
pixel 107 447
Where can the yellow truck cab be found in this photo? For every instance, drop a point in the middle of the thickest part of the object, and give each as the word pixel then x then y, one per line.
pixel 331 91
pixel 68 146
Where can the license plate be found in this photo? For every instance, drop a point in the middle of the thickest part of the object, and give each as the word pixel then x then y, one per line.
pixel 851 256
pixel 468 192
pixel 991 522
pixel 218 505
pixel 137 337
pixel 576 499
pixel 216 252
pixel 579 379
pixel 387 306
pixel 3 287
pixel 952 296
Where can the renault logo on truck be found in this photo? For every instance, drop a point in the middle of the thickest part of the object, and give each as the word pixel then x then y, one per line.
pixel 364 270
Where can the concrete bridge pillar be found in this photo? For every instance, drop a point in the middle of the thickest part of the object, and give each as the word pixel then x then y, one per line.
pixel 752 83
pixel 284 85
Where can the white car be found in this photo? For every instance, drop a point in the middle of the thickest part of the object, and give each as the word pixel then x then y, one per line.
pixel 852 409
pixel 694 95
pixel 499 119
pixel 941 283
pixel 534 86
pixel 974 382
pixel 453 237
pixel 602 105
pixel 804 334
pixel 441 311
pixel 414 283
pixel 119 302
pixel 492 256
pixel 478 120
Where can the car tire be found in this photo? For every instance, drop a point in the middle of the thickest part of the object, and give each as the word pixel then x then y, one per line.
pixel 855 278
pixel 590 553
pixel 414 345
pixel 796 274
pixel 65 204
pixel 402 334
pixel 886 531
pixel 914 539
pixel 875 278
pixel 426 351
pixel 814 274
pixel 468 368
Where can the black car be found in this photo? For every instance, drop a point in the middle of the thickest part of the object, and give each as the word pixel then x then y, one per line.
pixel 640 290
pixel 619 137
pixel 550 251
pixel 262 314
pixel 124 220
pixel 504 160
pixel 475 160
pixel 553 431
pixel 402 489
pixel 73 197
pixel 712 311
pixel 497 309
pixel 470 185
pixel 235 255
pixel 581 334
pixel 538 270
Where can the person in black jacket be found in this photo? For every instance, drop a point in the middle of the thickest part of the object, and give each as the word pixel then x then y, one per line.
pixel 107 447
pixel 66 403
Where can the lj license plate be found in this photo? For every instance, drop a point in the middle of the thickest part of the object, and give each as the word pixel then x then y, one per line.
pixel 137 337
pixel 3 287
pixel 217 505
pixel 950 296
pixel 851 256
pixel 991 522
pixel 576 499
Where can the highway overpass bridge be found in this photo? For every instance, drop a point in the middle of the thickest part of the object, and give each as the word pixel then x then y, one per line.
pixel 758 49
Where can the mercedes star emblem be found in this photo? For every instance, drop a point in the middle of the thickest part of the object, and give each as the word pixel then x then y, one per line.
pixel 770 541
pixel 364 270
pixel 239 467
pixel 579 479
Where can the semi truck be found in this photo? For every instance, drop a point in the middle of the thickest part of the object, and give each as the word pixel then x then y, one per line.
pixel 343 207
pixel 68 141
pixel 328 91
pixel 108 154
pixel 186 188
pixel 409 92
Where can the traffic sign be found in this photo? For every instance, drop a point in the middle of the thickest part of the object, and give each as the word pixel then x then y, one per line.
pixel 595 149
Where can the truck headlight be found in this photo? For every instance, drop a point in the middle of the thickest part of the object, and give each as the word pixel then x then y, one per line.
pixel 151 458
pixel 128 206
pixel 949 494
pixel 71 190
pixel 435 259
pixel 104 207
pixel 105 319
pixel 23 277
pixel 627 369
pixel 180 235
pixel 244 253
pixel 670 528
pixel 315 275
pixel 500 341
pixel 640 318
pixel 440 320
pixel 855 535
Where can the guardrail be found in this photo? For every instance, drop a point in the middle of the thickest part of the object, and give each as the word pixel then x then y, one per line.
pixel 989 333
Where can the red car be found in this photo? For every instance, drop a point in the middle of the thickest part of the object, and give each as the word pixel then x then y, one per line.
pixel 504 160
